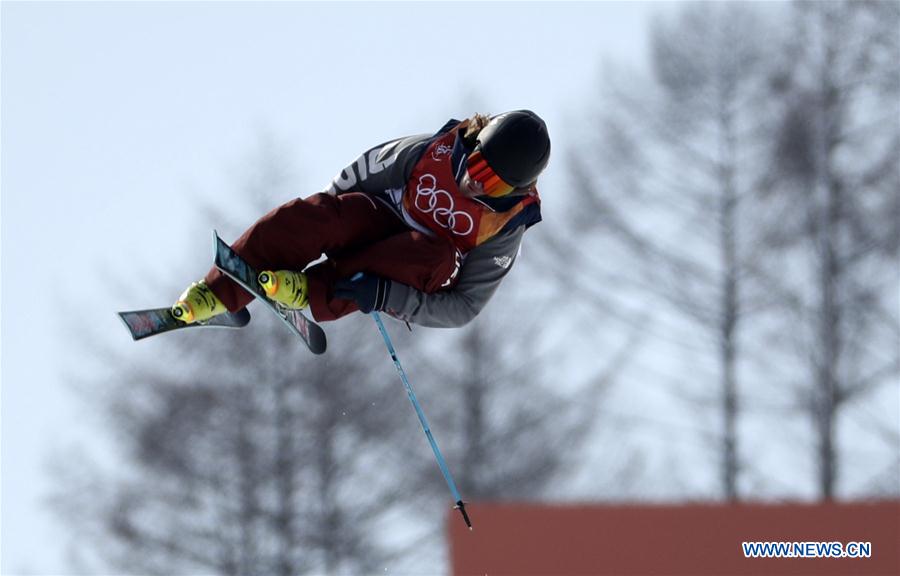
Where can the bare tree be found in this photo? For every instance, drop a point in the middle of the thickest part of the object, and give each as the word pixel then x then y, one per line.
pixel 665 197
pixel 835 187
pixel 256 466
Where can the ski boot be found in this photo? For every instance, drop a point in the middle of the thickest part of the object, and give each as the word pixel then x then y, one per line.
pixel 197 304
pixel 286 287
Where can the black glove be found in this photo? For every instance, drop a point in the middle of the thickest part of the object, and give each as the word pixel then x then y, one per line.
pixel 369 292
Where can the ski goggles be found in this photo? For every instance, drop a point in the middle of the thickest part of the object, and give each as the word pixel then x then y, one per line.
pixel 479 171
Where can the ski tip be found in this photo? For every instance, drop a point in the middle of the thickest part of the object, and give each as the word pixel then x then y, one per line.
pixel 241 317
pixel 318 347
pixel 123 316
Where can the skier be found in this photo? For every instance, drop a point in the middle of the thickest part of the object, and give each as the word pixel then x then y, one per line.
pixel 423 228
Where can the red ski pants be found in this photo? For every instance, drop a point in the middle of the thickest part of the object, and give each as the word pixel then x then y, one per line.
pixel 355 232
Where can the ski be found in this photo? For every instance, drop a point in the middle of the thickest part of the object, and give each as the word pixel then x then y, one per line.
pixel 145 323
pixel 230 263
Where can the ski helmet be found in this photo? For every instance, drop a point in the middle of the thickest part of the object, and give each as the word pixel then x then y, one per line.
pixel 516 146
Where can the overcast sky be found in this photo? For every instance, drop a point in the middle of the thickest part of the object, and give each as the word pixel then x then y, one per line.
pixel 113 113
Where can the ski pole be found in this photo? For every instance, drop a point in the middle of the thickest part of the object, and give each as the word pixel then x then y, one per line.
pixel 412 397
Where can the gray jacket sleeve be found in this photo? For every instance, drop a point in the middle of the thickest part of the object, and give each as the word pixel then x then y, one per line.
pixel 480 275
pixel 381 168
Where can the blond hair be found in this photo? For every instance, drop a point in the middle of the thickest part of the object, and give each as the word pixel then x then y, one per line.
pixel 474 126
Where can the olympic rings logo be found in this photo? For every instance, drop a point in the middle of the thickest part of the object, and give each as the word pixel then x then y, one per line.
pixel 427 199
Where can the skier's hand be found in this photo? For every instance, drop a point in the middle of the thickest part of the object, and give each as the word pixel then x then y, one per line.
pixel 368 291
